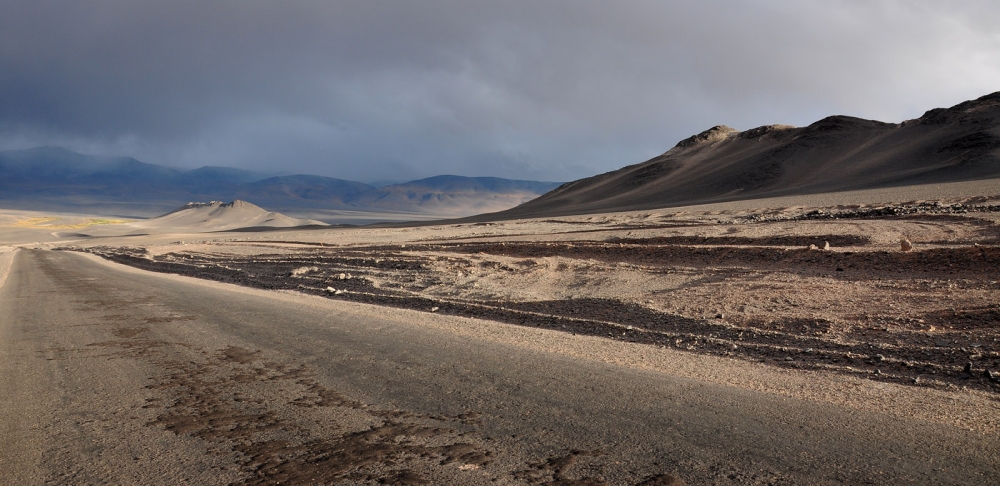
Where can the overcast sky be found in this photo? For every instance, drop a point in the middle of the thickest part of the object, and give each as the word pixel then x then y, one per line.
pixel 547 90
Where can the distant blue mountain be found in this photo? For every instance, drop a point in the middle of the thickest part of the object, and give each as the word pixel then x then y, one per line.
pixel 307 191
pixel 56 178
pixel 213 179
pixel 453 183
pixel 53 171
pixel 439 193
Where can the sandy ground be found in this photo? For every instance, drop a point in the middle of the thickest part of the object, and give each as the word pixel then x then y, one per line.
pixel 37 227
pixel 728 293
pixel 120 375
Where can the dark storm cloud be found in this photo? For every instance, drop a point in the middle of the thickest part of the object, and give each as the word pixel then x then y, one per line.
pixel 395 90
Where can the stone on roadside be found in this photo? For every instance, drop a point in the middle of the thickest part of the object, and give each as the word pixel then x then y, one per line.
pixel 826 245
pixel 905 245
pixel 813 247
pixel 298 272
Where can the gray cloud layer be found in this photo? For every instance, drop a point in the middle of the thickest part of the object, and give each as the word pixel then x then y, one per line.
pixel 395 90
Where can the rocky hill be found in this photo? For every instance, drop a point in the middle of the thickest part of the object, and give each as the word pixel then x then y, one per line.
pixel 836 153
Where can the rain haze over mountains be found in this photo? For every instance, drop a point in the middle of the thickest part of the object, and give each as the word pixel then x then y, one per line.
pixel 400 91
pixel 53 178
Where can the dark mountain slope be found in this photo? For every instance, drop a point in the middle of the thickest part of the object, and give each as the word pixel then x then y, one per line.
pixel 453 195
pixel 833 154
pixel 217 179
pixel 302 191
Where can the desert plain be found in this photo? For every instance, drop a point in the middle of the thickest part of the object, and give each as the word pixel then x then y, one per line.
pixel 875 313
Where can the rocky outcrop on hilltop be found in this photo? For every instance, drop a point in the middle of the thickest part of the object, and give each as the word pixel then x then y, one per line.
pixel 714 134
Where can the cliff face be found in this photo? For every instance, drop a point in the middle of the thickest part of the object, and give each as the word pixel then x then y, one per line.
pixel 833 154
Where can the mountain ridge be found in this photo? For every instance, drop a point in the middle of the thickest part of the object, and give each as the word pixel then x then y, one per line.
pixel 54 178
pixel 835 153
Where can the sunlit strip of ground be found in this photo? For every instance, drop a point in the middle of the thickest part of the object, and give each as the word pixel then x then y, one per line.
pixel 46 223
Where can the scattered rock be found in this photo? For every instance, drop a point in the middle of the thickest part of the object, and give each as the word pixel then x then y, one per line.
pixel 304 270
pixel 813 247
pixel 905 245
pixel 661 480
pixel 342 276
pixel 720 316
pixel 435 309
pixel 331 290
pixel 968 368
pixel 826 245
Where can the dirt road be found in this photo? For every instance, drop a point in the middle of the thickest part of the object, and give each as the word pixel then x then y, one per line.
pixel 113 375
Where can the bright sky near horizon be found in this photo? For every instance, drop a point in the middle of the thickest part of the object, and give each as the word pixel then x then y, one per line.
pixel 398 90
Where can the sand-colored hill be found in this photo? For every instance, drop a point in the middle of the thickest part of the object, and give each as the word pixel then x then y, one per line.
pixel 837 153
pixel 198 218
pixel 219 216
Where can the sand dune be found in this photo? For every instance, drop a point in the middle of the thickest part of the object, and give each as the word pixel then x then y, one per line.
pixel 219 216
pixel 837 153
pixel 195 218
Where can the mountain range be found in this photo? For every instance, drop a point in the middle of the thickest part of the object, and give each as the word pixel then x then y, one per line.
pixel 53 178
pixel 837 153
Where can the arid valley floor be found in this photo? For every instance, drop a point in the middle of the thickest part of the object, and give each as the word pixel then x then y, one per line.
pixel 882 305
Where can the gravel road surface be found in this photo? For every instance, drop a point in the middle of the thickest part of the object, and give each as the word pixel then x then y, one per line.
pixel 114 375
